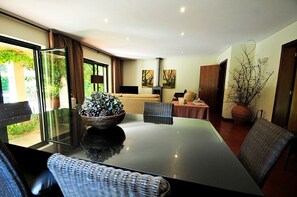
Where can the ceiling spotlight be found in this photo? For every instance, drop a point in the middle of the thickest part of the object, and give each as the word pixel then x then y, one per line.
pixel 106 20
pixel 182 33
pixel 127 38
pixel 182 9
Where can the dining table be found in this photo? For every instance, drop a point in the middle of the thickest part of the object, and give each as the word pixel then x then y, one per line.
pixel 191 109
pixel 189 153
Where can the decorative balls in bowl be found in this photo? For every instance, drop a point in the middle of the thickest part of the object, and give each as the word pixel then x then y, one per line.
pixel 101 110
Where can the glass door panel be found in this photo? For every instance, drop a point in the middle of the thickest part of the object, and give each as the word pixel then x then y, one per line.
pixel 56 95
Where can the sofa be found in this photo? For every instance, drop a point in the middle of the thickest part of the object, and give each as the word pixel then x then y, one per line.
pixel 134 103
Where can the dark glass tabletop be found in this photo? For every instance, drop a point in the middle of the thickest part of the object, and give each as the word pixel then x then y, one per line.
pixel 185 149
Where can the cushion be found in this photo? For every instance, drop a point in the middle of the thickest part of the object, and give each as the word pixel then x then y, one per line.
pixel 190 96
pixel 116 94
pixel 141 95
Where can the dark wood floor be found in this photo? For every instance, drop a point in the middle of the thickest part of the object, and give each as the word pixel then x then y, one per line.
pixel 281 182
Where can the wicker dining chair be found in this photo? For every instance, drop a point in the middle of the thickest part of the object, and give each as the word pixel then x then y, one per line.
pixel 14 180
pixel 158 109
pixel 261 149
pixel 78 177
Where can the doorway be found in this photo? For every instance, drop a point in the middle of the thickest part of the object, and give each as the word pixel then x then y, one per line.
pixel 285 104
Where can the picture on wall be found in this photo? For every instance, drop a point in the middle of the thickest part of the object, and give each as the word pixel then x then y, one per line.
pixel 169 77
pixel 147 78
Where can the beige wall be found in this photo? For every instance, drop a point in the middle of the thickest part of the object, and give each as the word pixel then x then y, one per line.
pixel 12 28
pixel 16 29
pixel 187 68
pixel 231 55
pixel 187 73
pixel 271 48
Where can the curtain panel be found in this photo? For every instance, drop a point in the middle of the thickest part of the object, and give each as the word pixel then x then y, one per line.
pixel 75 61
pixel 117 74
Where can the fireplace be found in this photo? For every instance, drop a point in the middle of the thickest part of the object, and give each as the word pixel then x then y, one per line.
pixel 157 90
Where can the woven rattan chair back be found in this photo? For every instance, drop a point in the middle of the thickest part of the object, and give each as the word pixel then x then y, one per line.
pixel 77 177
pixel 12 180
pixel 158 109
pixel 262 148
pixel 11 113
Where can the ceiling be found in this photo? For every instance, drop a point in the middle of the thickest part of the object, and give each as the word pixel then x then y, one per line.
pixel 153 28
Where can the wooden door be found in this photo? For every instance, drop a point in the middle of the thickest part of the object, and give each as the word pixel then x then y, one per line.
pixel 208 85
pixel 221 87
pixel 292 123
pixel 285 106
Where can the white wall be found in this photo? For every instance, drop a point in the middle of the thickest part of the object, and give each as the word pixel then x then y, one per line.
pixel 187 73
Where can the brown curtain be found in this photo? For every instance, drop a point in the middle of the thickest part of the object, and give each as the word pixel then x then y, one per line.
pixel 117 74
pixel 75 62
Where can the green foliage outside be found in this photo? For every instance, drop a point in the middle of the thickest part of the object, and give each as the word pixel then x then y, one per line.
pixel 54 70
pixel 23 127
pixel 25 60
pixel 4 83
pixel 88 86
pixel 10 55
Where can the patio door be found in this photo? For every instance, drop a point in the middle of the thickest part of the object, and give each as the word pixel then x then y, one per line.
pixel 40 77
pixel 55 94
pixel 19 81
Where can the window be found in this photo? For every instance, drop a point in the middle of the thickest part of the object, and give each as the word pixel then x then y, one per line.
pixel 94 68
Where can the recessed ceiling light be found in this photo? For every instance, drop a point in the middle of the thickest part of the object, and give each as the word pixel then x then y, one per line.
pixel 182 9
pixel 127 38
pixel 106 20
pixel 181 52
pixel 182 33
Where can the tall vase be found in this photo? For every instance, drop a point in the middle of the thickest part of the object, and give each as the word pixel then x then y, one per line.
pixel 241 114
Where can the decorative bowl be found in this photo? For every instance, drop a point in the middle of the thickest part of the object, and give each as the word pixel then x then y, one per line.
pixel 103 122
